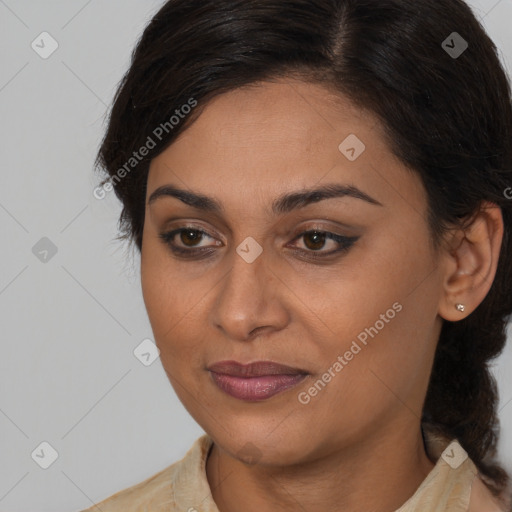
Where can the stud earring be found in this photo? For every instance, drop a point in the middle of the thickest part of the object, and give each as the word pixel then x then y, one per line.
pixel 460 307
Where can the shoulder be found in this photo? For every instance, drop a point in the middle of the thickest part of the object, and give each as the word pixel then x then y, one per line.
pixel 151 491
pixel 158 492
pixel 482 500
pixel 466 482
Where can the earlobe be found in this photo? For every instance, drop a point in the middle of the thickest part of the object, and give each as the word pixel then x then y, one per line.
pixel 471 263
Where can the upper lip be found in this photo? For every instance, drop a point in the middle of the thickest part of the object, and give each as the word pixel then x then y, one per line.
pixel 255 369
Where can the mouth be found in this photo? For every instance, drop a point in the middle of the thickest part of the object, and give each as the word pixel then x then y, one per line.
pixel 256 381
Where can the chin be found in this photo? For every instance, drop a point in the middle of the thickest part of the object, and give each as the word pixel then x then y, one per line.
pixel 255 445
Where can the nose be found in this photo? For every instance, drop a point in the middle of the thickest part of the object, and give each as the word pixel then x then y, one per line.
pixel 250 300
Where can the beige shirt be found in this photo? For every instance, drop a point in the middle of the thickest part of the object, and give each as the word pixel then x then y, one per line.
pixel 450 487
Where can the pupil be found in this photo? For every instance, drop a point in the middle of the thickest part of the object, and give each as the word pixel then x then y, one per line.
pixel 315 240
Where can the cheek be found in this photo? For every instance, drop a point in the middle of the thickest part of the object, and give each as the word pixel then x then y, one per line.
pixel 352 296
pixel 379 368
pixel 160 293
pixel 380 317
pixel 173 302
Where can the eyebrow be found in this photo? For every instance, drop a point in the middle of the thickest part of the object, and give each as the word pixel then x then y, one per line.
pixel 283 204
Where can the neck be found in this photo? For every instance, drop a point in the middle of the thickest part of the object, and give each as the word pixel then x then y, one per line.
pixel 377 475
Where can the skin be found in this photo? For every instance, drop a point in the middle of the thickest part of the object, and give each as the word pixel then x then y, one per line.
pixel 361 432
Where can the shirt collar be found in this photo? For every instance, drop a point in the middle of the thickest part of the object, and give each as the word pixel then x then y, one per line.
pixel 192 492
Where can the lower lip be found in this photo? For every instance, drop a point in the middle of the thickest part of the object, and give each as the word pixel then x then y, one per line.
pixel 252 389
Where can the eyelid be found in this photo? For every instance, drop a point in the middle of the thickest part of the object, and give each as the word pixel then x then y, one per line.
pixel 176 227
pixel 167 235
pixel 341 230
pixel 344 243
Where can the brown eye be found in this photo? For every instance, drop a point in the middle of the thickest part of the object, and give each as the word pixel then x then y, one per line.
pixel 190 237
pixel 189 242
pixel 314 240
pixel 318 244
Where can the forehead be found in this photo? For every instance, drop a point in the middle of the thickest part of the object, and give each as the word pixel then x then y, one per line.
pixel 268 137
pixel 279 114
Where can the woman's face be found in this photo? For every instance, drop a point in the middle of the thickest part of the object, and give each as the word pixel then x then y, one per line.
pixel 351 306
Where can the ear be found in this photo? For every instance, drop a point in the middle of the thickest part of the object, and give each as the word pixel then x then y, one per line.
pixel 470 261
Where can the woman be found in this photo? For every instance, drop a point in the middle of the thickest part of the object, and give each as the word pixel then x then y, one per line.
pixel 320 192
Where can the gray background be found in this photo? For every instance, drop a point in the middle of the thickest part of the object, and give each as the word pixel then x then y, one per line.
pixel 70 324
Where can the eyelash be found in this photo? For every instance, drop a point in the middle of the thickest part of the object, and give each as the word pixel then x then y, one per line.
pixel 345 243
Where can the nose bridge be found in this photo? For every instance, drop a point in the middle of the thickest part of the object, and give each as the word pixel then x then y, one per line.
pixel 245 282
pixel 243 302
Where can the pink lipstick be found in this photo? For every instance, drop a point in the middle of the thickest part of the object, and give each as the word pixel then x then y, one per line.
pixel 255 381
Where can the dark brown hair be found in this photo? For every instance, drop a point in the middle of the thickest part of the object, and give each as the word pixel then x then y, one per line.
pixel 447 116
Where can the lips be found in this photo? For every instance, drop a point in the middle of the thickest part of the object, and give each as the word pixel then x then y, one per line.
pixel 256 369
pixel 255 381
